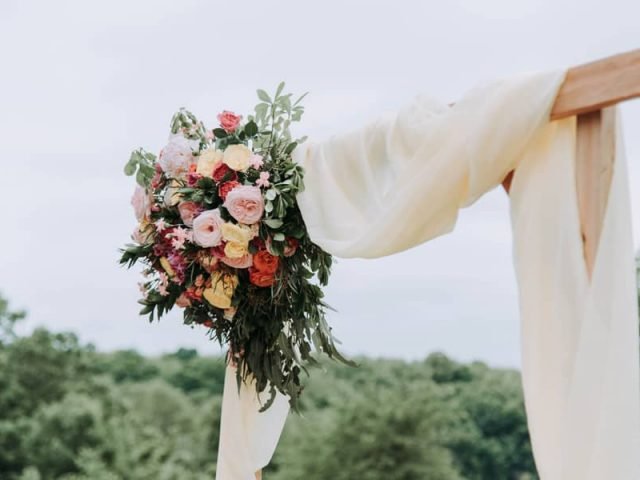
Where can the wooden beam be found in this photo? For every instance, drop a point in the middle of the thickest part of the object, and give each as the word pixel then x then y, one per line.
pixel 595 153
pixel 599 84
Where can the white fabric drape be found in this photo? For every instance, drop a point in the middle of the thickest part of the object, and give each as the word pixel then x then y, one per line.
pixel 248 438
pixel 400 181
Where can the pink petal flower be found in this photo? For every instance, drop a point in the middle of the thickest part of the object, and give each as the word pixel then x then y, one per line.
pixel 263 181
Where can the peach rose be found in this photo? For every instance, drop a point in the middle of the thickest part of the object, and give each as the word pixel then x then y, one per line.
pixel 141 202
pixel 241 262
pixel 188 211
pixel 245 204
pixel 206 228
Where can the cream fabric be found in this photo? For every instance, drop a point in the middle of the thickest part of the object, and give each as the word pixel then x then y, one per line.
pixel 401 180
pixel 248 438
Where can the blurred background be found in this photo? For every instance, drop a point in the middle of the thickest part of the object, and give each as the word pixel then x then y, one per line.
pixel 90 390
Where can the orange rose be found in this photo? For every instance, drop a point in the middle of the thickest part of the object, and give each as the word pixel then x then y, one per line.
pixel 265 262
pixel 261 279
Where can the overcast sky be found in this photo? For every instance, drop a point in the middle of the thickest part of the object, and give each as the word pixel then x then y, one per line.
pixel 85 82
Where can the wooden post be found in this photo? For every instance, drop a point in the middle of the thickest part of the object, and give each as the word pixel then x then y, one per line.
pixel 595 152
pixel 591 92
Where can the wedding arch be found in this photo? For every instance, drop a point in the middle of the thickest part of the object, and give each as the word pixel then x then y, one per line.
pixel 572 247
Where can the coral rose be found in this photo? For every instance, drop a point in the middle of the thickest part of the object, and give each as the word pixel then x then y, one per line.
pixel 226 187
pixel 229 121
pixel 265 262
pixel 206 228
pixel 245 204
pixel 261 279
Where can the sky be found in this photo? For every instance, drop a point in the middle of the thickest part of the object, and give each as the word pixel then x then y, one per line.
pixel 83 83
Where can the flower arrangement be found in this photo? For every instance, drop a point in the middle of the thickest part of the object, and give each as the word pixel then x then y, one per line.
pixel 221 236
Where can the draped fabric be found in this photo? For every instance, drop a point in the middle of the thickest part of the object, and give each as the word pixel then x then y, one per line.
pixel 401 180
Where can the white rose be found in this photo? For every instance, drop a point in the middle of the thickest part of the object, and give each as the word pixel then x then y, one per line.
pixel 237 157
pixel 208 161
pixel 176 156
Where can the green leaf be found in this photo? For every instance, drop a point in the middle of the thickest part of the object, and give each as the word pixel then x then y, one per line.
pixel 271 194
pixel 264 96
pixel 130 168
pixel 220 133
pixel 251 128
pixel 279 237
pixel 279 90
pixel 273 222
pixel 290 148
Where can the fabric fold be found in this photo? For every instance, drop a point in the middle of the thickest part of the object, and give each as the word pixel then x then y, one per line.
pixel 248 438
pixel 401 180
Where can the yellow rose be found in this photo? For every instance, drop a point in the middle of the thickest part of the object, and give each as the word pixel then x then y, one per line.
pixel 220 292
pixel 235 250
pixel 208 161
pixel 237 157
pixel 167 266
pixel 236 233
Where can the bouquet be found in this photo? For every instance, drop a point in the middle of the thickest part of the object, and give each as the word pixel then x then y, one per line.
pixel 221 236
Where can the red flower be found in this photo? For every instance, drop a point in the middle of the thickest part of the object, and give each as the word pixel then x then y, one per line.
pixel 226 187
pixel 208 323
pixel 223 172
pixel 229 121
pixel 265 262
pixel 261 279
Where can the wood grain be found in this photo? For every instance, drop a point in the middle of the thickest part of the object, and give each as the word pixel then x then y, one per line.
pixel 598 84
pixel 595 152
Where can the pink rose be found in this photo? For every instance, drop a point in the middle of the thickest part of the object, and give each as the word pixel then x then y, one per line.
pixel 243 262
pixel 177 156
pixel 245 204
pixel 229 121
pixel 206 228
pixel 141 202
pixel 188 211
